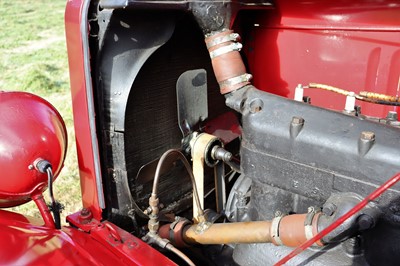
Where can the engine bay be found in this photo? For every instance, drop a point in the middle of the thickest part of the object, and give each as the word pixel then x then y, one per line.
pixel 216 139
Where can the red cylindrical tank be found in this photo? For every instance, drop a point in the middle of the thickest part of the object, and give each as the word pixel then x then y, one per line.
pixel 30 129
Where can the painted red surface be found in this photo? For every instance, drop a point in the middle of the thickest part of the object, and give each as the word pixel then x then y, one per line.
pixel 94 242
pixel 349 44
pixel 226 127
pixel 30 129
pixel 80 107
pixel 354 45
pixel 24 241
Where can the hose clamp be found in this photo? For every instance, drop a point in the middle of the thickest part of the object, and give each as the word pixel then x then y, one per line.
pixel 308 228
pixel 236 46
pixel 233 37
pixel 275 230
pixel 236 80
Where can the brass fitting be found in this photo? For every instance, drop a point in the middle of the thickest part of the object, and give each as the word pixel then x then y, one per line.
pixel 153 223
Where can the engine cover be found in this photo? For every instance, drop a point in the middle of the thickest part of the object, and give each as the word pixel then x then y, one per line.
pixel 30 129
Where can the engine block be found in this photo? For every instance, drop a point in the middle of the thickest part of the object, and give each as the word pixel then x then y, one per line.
pixel 298 155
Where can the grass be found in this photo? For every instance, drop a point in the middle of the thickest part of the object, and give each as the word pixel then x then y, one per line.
pixel 33 58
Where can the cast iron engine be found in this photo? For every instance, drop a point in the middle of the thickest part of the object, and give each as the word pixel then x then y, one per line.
pixel 297 158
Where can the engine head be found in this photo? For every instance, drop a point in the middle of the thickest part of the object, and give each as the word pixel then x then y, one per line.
pixel 31 129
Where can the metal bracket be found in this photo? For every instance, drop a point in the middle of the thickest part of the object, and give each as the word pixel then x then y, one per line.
pixel 191 92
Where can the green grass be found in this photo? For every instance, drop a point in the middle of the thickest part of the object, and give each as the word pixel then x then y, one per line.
pixel 33 58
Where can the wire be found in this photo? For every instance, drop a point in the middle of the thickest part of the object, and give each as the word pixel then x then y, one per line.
pixel 376 101
pixel 376 193
pixel 379 96
pixel 55 206
pixel 50 183
pixel 364 96
pixel 328 88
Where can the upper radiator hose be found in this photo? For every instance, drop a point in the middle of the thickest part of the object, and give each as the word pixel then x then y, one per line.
pixel 223 45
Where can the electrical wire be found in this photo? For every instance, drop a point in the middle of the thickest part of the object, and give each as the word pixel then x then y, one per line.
pixel 379 96
pixel 376 193
pixel 328 88
pixel 376 101
pixel 50 183
pixel 365 96
pixel 55 208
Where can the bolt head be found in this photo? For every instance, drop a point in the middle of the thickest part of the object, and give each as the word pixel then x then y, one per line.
pixel 329 209
pixel 392 116
pixel 365 222
pixel 85 212
pixel 85 216
pixel 367 135
pixel 297 120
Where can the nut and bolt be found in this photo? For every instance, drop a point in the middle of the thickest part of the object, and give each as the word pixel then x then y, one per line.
pixel 153 225
pixel 307 99
pixel 367 135
pixel 365 222
pixel 85 212
pixel 297 120
pixel 85 216
pixel 392 116
pixel 148 211
pixel 329 209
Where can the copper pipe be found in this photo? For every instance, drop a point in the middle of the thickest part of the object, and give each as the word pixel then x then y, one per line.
pixel 244 232
pixel 290 232
pixel 153 223
pixel 180 254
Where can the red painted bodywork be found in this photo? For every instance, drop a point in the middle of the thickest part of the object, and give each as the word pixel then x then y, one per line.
pixel 349 44
pixel 73 17
pixel 354 45
pixel 327 42
pixel 25 241
pixel 31 129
